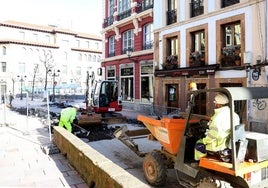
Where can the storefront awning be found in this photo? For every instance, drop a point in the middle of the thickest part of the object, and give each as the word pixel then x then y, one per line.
pixel 188 71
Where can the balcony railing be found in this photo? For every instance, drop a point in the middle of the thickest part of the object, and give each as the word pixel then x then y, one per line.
pixel 197 8
pixel 124 14
pixel 147 45
pixel 111 54
pixel 108 21
pixel 145 5
pixel 171 16
pixel 226 3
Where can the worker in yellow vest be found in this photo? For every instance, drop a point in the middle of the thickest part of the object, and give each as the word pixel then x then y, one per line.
pixel 67 117
pixel 219 128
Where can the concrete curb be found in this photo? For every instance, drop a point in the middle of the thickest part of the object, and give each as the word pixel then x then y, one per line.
pixel 94 168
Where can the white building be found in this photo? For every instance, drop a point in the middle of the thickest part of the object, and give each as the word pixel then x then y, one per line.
pixel 70 57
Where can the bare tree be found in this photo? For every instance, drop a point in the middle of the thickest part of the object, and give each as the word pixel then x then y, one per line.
pixel 48 62
pixel 34 75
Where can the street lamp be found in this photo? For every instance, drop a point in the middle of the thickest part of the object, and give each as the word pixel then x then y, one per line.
pixel 54 74
pixel 129 54
pixel 21 79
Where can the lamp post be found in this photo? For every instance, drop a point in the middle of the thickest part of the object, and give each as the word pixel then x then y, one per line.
pixel 21 79
pixel 54 74
pixel 129 54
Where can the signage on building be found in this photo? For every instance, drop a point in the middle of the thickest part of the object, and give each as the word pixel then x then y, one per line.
pixel 126 71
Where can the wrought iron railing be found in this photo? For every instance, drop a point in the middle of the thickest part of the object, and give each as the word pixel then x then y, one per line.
pixel 108 21
pixel 197 8
pixel 226 3
pixel 124 14
pixel 171 16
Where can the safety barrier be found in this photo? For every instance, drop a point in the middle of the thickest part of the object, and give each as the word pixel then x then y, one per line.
pixel 96 170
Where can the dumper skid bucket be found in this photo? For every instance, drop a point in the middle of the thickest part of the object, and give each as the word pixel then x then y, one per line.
pixel 127 137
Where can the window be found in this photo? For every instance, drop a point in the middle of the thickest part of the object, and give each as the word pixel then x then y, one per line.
pixel 172 12
pixel 111 8
pixel 127 87
pixel 22 35
pixel 65 56
pixel 89 57
pixel 231 47
pixel 87 44
pixel 172 46
pixel 47 38
pixel 111 73
pixel 78 43
pixel 64 69
pixel 79 57
pixel 35 37
pixel 99 58
pixel 226 3
pixel 148 36
pixel 4 52
pixel 78 71
pixel 21 67
pixel 94 58
pixel 3 67
pixel 111 46
pixel 124 9
pixel 124 5
pixel 147 83
pixel 197 54
pixel 197 8
pixel 128 41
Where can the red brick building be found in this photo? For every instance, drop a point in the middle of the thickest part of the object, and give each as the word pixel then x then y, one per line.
pixel 128 49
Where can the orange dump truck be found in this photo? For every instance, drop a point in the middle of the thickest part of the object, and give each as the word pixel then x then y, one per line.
pixel 177 135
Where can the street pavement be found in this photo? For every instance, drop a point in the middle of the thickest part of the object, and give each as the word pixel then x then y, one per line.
pixel 23 163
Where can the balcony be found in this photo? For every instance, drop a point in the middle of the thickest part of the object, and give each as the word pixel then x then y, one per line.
pixel 226 3
pixel 171 16
pixel 147 45
pixel 124 14
pixel 108 21
pixel 197 8
pixel 145 5
pixel 111 54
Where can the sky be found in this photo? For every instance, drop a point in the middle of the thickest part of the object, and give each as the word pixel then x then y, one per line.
pixel 78 15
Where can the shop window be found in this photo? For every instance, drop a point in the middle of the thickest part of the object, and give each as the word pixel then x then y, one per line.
pixel 196 7
pixel 146 83
pixel 197 54
pixel 231 49
pixel 127 87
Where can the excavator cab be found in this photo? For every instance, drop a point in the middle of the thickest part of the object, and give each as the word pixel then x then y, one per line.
pixel 105 97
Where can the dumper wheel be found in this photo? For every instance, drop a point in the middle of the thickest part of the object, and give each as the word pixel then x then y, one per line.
pixel 154 168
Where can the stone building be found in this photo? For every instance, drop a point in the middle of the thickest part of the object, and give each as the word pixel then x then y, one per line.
pixel 69 57
pixel 212 43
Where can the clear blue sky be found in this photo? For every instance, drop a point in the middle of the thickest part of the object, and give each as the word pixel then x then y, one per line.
pixel 79 15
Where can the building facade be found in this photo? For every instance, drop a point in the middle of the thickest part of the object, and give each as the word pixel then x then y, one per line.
pixel 47 57
pixel 212 43
pixel 128 49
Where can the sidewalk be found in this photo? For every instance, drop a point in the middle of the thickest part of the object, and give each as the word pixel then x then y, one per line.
pixel 22 161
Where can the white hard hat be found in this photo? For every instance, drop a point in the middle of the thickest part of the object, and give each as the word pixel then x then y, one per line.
pixel 221 98
pixel 77 106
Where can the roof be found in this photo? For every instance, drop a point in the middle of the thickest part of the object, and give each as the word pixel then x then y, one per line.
pixel 48 29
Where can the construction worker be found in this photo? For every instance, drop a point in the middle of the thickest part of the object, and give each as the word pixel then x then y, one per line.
pixel 219 128
pixel 67 117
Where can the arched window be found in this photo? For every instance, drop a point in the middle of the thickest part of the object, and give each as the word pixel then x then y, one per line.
pixel 4 50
